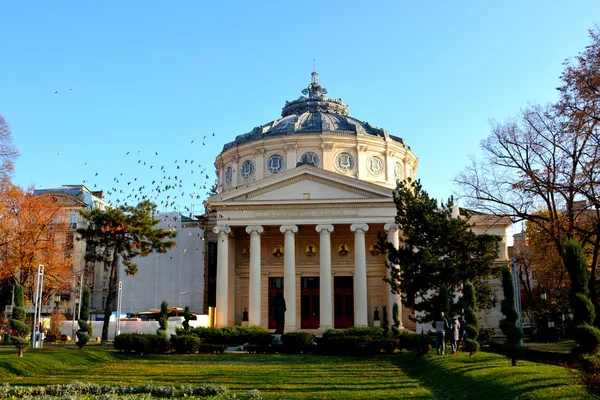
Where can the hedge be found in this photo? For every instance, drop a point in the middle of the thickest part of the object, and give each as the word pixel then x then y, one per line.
pixel 231 335
pixel 141 343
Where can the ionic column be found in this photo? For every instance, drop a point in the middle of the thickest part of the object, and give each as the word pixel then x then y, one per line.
pixel 360 274
pixel 289 276
pixel 325 286
pixel 254 295
pixel 394 239
pixel 222 273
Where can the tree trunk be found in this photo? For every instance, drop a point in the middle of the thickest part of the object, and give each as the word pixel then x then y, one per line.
pixel 114 268
pixel 21 351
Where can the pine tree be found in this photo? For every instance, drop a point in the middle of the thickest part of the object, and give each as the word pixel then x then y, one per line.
pixel 119 235
pixel 437 250
pixel 17 323
pixel 83 334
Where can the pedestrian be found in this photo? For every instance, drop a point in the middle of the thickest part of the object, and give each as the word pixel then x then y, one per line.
pixel 441 324
pixel 462 330
pixel 455 334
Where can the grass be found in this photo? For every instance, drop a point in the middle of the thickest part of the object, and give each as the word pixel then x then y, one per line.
pixel 485 375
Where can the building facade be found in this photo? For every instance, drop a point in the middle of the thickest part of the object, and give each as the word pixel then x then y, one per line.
pixel 298 210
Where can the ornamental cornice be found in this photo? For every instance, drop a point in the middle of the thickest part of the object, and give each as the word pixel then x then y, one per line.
pixel 290 147
pixel 259 151
pixel 299 178
pixel 235 158
pixel 327 146
pixel 259 207
pixel 363 147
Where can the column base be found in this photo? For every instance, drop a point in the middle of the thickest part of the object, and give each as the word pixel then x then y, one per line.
pixel 377 323
pixel 244 323
pixel 289 328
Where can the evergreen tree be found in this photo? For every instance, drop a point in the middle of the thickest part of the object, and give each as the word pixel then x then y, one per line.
pixel 437 250
pixel 119 235
pixel 469 301
pixel 163 319
pixel 17 323
pixel 83 334
pixel 444 300
pixel 508 325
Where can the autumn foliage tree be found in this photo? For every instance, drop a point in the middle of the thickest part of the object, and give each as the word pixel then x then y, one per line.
pixel 32 232
pixel 119 235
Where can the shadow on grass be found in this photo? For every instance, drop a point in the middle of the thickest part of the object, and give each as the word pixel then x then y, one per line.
pixel 489 377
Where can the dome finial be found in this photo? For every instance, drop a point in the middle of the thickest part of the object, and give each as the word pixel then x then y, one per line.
pixel 314 90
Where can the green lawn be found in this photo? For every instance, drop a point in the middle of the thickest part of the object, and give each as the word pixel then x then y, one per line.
pixel 483 376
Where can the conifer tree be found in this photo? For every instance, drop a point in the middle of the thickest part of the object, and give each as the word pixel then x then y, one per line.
pixel 83 334
pixel 437 250
pixel 396 318
pixel 385 323
pixel 585 334
pixel 470 305
pixel 118 236
pixel 508 325
pixel 17 323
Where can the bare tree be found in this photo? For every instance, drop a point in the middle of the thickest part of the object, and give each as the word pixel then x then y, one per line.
pixel 547 160
pixel 8 153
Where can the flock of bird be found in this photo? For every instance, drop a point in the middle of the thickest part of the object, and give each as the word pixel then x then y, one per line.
pixel 177 185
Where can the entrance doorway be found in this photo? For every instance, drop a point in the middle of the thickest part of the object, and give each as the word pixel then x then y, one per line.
pixel 275 286
pixel 343 295
pixel 309 303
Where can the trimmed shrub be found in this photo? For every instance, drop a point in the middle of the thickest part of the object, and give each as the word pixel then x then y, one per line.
pixel 385 324
pixel 187 315
pixel 141 343
pixel 388 345
pixel 83 333
pixel 396 318
pixel 185 344
pixel 231 335
pixel 370 331
pixel 17 324
pixel 297 342
pixel 485 336
pixel 587 338
pixel 163 319
pixel 470 305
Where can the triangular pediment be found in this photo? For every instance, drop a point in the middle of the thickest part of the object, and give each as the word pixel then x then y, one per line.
pixel 305 183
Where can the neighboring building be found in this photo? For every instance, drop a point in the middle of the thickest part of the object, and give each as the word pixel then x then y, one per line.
pixel 74 198
pixel 299 206
pixel 176 276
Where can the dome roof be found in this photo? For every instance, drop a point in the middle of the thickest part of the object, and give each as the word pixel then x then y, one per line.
pixel 312 114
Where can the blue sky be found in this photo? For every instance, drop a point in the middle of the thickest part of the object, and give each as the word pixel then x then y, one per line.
pixel 150 77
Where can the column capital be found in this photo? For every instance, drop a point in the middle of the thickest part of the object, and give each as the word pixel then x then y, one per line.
pixel 355 227
pixel 391 227
pixel 221 229
pixel 255 228
pixel 285 228
pixel 324 228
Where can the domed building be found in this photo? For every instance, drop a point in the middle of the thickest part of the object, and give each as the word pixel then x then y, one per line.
pixel 299 204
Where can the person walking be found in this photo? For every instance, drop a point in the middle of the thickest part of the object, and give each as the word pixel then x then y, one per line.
pixel 441 324
pixel 455 334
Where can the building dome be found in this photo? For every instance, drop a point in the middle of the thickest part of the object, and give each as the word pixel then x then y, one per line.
pixel 316 130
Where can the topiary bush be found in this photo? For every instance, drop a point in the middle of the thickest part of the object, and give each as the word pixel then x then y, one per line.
pixel 396 318
pixel 185 344
pixel 508 325
pixel 470 305
pixel 163 319
pixel 187 316
pixel 20 329
pixel 588 339
pixel 83 333
pixel 385 323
